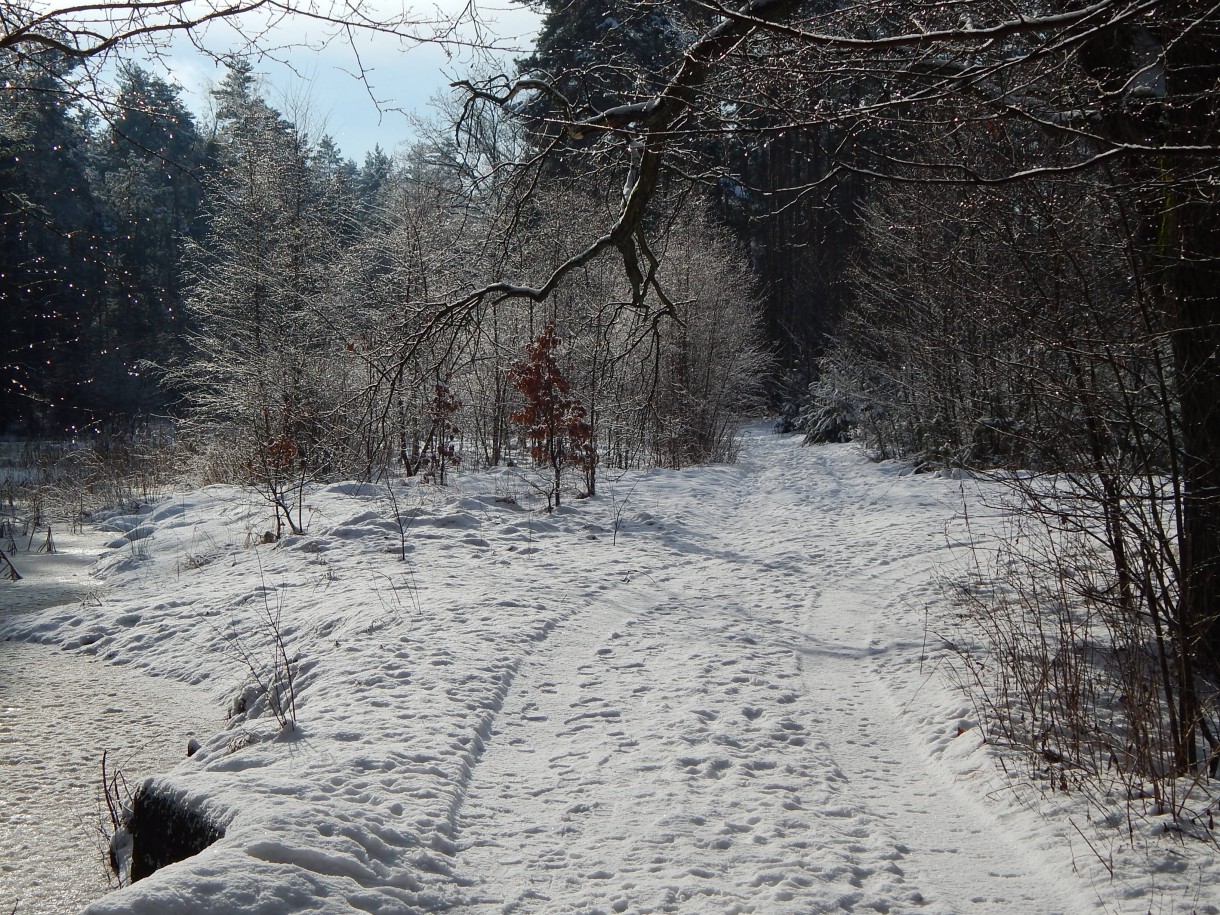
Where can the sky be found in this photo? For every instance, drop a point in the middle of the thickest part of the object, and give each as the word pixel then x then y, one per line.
pixel 309 70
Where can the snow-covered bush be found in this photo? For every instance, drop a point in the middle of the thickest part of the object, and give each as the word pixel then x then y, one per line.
pixel 826 416
pixel 1030 346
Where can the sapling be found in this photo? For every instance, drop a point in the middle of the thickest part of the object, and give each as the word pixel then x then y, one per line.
pixel 275 679
pixel 278 469
pixel 403 523
pixel 274 675
pixel 439 450
pixel 619 506
pixel 554 420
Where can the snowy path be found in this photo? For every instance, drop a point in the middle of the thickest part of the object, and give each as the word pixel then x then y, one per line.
pixel 701 692
pixel 716 735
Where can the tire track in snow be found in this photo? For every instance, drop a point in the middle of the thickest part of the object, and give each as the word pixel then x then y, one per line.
pixel 656 759
pixel 879 564
pixel 715 737
pixel 481 732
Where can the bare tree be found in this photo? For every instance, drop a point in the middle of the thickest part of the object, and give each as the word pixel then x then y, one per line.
pixel 97 30
pixel 1124 91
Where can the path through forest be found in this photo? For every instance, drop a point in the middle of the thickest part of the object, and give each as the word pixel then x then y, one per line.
pixel 708 691
pixel 719 725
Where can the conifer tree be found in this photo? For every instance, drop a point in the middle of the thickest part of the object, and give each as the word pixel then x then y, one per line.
pixel 52 250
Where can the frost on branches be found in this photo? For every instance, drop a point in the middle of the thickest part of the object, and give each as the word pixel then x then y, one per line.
pixel 440 450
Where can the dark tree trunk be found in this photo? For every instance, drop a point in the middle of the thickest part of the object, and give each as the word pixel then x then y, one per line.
pixel 1191 245
pixel 1176 65
pixel 1194 301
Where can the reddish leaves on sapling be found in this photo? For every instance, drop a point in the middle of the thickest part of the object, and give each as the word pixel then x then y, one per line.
pixel 555 422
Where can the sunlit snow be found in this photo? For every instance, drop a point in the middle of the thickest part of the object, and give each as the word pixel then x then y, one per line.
pixel 716 690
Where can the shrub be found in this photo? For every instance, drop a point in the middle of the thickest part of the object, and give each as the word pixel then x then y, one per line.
pixel 555 422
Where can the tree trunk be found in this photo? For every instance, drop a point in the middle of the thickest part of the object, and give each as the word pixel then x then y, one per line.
pixel 1193 293
pixel 1176 61
pixel 1191 246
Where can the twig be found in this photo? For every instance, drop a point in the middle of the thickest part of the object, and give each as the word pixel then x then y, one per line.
pixel 617 507
pixel 11 574
pixel 1108 865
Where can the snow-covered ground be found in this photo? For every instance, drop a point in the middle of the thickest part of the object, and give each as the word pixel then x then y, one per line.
pixel 58 712
pixel 708 691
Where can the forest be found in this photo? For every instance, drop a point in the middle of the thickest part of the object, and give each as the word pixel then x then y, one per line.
pixel 967 235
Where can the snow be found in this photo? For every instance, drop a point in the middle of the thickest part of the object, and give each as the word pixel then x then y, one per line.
pixel 709 691
pixel 58 713
pixel 49 861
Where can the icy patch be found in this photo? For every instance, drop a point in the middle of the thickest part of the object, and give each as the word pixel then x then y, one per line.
pixel 50 859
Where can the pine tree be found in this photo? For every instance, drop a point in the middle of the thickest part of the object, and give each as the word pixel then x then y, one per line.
pixel 266 337
pixel 52 251
pixel 148 170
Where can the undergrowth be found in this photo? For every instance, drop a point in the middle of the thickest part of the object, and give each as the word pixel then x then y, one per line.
pixel 1070 684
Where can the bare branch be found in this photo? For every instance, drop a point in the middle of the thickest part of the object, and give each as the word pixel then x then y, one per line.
pixel 1097 15
pixel 93 30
